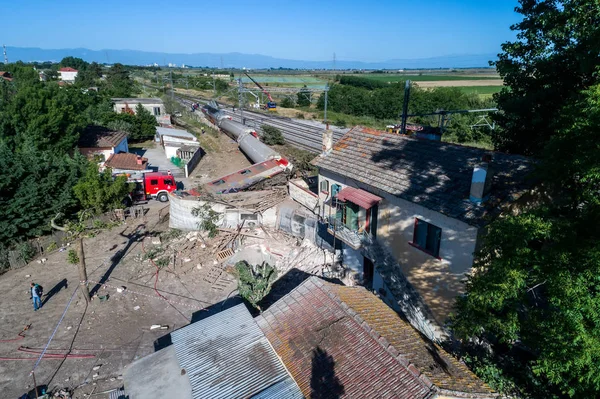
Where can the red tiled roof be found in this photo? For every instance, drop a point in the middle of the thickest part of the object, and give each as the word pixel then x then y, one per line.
pixel 362 198
pixel 126 161
pixel 344 342
pixel 67 69
pixel 6 75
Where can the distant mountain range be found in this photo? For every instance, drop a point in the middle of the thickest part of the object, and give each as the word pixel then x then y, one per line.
pixel 239 60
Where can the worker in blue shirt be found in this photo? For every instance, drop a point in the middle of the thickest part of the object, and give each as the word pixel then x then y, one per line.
pixel 36 293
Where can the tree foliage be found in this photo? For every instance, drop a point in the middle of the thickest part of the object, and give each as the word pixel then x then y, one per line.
pixel 100 191
pixel 255 281
pixel 118 82
pixel 272 135
pixel 554 57
pixel 536 293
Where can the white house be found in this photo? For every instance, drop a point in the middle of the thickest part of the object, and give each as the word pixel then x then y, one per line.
pixel 67 74
pixel 173 139
pixel 98 140
pixel 154 105
pixel 405 208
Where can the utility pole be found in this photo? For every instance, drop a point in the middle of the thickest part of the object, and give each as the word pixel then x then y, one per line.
pixel 5 56
pixel 405 106
pixel 241 100
pixel 334 61
pixel 82 272
pixel 326 90
pixel 171 77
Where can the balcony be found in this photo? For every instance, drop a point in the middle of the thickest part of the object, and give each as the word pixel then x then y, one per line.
pixel 353 238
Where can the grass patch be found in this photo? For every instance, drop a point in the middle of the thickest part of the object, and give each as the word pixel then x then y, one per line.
pixel 336 119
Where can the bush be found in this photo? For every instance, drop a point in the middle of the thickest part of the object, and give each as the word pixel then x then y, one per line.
pixel 340 123
pixel 254 282
pixel 287 103
pixel 300 115
pixel 72 257
pixel 272 135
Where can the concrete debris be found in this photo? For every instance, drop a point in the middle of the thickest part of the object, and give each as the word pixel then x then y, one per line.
pixel 96 368
pixel 159 327
pixel 27 275
pixel 68 328
pixel 136 308
pixel 199 266
pixel 121 289
pixel 156 240
pixel 96 375
pixel 186 260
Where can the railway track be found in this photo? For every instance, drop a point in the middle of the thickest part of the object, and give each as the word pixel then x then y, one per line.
pixel 298 134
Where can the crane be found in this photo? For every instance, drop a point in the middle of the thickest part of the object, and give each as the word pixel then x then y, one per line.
pixel 271 105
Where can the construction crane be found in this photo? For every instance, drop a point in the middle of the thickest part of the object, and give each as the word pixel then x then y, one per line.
pixel 271 105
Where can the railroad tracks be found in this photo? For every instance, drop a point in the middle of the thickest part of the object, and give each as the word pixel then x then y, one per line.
pixel 301 135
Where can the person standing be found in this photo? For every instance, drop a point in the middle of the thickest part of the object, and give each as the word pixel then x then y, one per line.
pixel 36 294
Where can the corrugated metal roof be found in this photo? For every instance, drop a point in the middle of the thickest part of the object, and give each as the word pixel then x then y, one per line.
pixel 228 356
pixel 359 197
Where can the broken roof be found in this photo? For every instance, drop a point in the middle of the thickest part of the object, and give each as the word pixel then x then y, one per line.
pixel 100 137
pixel 227 356
pixel 433 174
pixel 345 341
pixel 245 178
pixel 126 161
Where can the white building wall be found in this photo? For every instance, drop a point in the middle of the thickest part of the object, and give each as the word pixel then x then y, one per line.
pixel 170 151
pixel 67 76
pixel 149 107
pixel 438 281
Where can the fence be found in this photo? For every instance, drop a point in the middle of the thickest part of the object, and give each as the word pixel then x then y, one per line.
pixel 32 249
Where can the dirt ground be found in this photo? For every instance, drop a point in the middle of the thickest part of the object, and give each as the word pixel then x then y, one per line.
pixel 117 331
pixel 460 83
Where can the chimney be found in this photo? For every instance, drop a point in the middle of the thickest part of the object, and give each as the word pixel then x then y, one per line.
pixel 481 182
pixel 139 160
pixel 327 140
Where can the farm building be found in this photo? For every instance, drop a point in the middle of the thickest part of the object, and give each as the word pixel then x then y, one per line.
pixel 67 74
pixel 154 105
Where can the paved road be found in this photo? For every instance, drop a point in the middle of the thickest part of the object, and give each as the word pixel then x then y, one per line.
pixel 159 162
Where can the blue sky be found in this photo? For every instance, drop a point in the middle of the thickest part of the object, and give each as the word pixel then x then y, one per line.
pixel 303 29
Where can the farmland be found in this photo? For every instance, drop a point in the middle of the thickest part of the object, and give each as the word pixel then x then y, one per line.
pixel 426 78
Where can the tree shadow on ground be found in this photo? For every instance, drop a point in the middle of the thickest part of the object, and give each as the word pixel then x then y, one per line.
pixel 55 290
pixel 323 382
pixel 116 258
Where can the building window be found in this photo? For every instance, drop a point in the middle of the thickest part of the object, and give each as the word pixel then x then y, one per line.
pixel 156 111
pixel 427 237
pixel 325 186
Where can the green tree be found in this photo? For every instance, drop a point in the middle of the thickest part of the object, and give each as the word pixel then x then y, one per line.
pixel 287 102
pixel 118 83
pixel 272 135
pixel 73 62
pixel 536 294
pixel 554 58
pixel 100 191
pixel 144 127
pixel 303 97
pixel 255 281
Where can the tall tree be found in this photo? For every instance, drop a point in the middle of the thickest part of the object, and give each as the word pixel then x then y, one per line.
pixel 555 57
pixel 303 97
pixel 118 82
pixel 74 62
pixel 536 294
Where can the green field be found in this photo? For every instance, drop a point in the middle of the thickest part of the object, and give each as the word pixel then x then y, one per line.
pixel 423 78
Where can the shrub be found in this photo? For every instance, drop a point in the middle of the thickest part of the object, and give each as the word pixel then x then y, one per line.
pixel 254 282
pixel 287 103
pixel 26 251
pixel 272 135
pixel 300 115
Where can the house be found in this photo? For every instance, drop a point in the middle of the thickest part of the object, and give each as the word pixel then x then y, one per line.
pixel 6 76
pixel 225 355
pixel 409 212
pixel 98 140
pixel 173 139
pixel 154 105
pixel 320 340
pixel 67 74
pixel 126 162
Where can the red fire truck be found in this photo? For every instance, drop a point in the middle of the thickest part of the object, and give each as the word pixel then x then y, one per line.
pixel 152 185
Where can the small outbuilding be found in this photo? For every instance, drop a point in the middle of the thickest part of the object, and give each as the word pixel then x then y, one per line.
pixel 99 140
